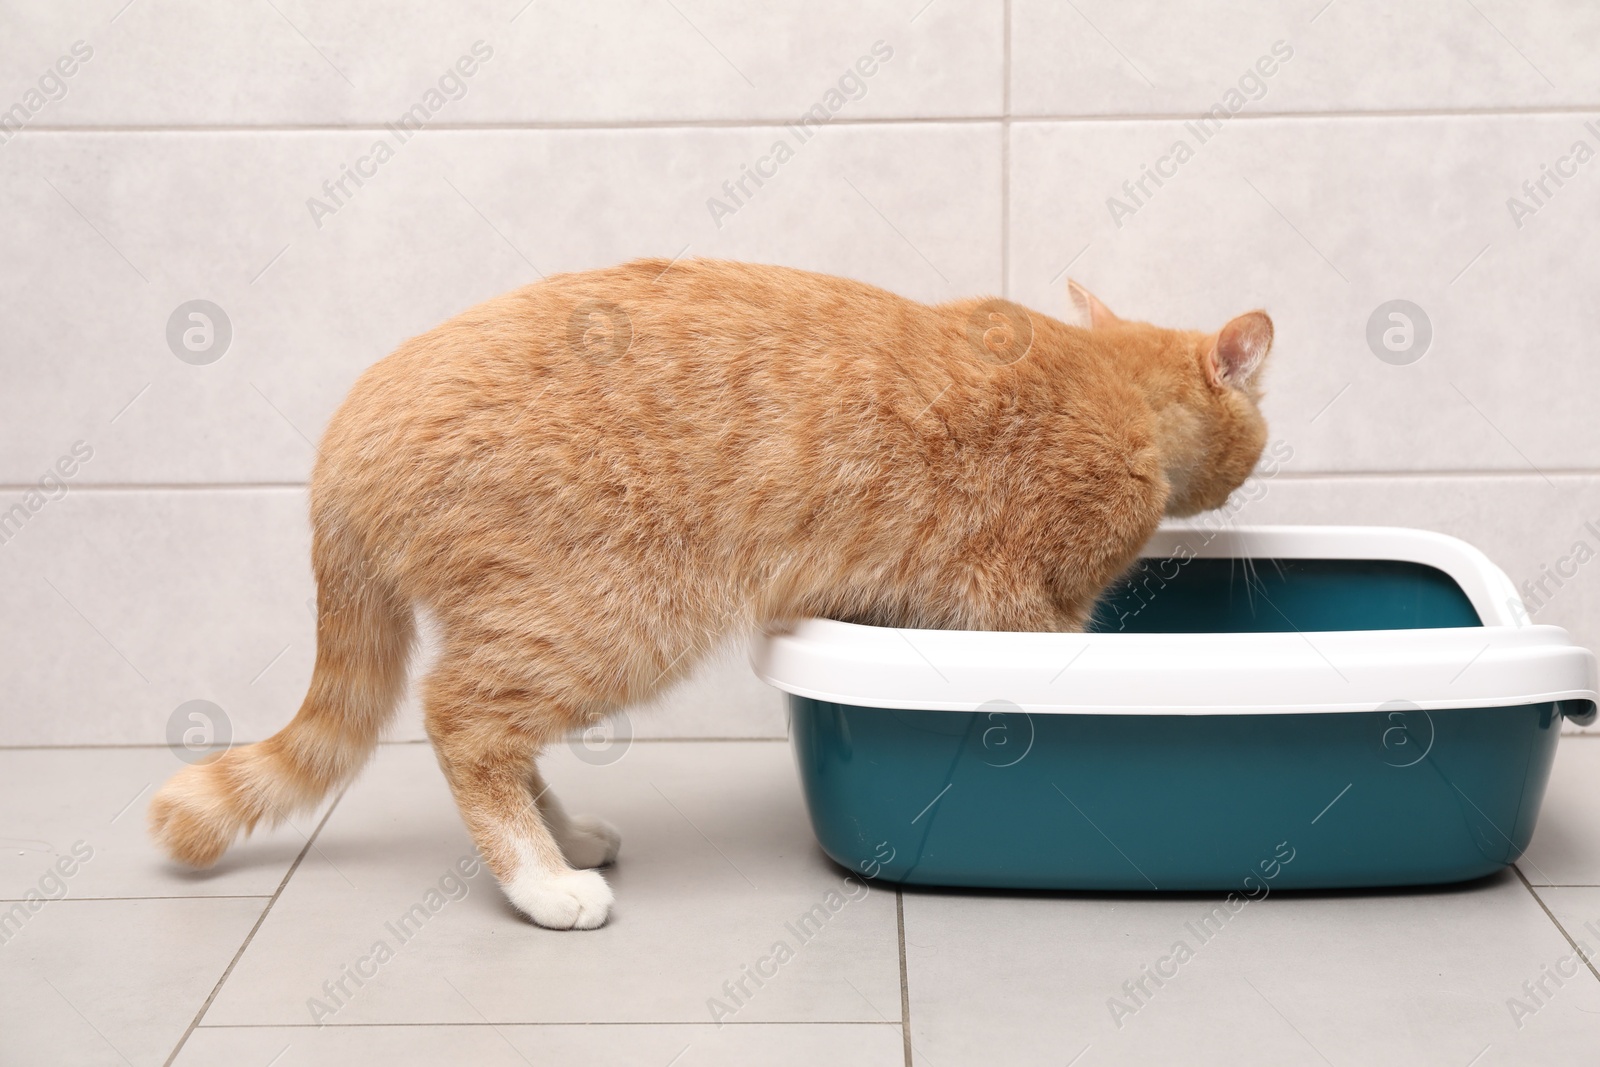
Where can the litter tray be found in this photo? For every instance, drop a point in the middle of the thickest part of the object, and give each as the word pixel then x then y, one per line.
pixel 1252 709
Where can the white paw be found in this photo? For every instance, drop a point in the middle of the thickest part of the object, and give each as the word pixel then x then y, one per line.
pixel 591 842
pixel 564 900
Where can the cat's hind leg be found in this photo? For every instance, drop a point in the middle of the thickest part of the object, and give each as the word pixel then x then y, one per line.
pixel 487 738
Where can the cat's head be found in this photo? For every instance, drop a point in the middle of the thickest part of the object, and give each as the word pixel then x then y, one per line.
pixel 1205 391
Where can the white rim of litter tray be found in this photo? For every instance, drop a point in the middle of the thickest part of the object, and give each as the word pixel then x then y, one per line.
pixel 1504 662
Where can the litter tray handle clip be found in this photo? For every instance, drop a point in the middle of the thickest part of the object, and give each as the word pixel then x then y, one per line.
pixel 1577 712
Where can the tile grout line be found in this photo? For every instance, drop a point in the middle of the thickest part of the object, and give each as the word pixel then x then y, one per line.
pixel 487 1024
pixel 137 746
pixel 1398 475
pixel 905 988
pixel 164 896
pixel 600 125
pixel 1587 962
pixel 282 885
pixel 98 746
pixel 1005 154
pixel 91 746
pixel 1331 113
pixel 161 487
pixel 101 746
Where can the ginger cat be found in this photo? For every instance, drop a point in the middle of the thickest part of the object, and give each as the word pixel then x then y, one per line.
pixel 592 481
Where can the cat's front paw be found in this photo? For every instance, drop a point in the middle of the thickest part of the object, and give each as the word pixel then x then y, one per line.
pixel 591 842
pixel 564 900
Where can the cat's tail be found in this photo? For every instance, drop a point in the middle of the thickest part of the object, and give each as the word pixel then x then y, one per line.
pixel 365 631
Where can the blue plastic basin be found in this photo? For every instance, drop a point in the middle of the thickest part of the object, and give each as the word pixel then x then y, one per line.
pixel 1038 795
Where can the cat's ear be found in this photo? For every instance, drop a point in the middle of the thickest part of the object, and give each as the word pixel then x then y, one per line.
pixel 1087 310
pixel 1240 349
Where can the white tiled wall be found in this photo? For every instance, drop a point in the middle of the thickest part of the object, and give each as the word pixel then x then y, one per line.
pixel 1374 162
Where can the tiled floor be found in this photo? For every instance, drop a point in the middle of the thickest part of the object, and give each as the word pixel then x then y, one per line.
pixel 138 963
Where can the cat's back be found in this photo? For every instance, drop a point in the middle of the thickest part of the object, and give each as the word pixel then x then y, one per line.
pixel 653 312
pixel 689 340
pixel 656 362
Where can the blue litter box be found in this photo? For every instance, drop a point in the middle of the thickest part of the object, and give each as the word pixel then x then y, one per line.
pixel 1252 709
